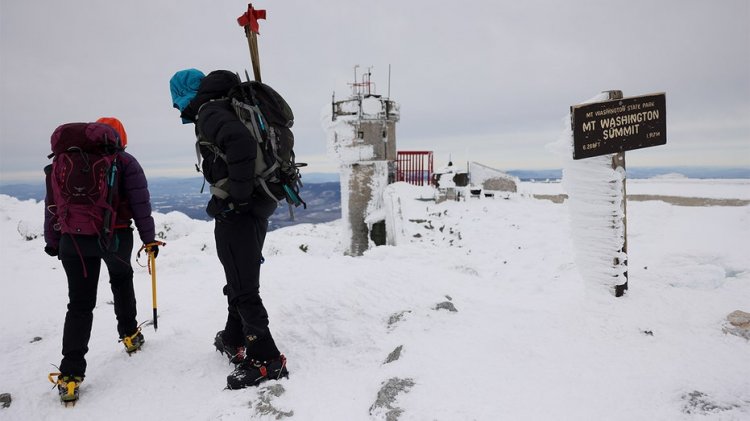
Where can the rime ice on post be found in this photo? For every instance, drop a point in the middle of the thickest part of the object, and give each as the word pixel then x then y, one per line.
pixel 599 134
pixel 361 133
pixel 596 202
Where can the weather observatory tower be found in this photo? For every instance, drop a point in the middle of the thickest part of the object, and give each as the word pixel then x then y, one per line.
pixel 362 138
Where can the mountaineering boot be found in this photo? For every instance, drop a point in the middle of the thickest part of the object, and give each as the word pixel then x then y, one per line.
pixel 235 353
pixel 133 342
pixel 67 387
pixel 253 372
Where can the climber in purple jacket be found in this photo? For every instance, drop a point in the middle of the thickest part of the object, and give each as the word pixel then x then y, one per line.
pixel 82 255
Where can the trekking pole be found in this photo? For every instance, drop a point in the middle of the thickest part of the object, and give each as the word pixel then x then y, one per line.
pixel 249 21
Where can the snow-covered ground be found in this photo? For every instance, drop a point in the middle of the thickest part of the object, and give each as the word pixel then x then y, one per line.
pixel 678 186
pixel 528 340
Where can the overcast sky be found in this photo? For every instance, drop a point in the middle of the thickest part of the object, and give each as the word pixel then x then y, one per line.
pixel 489 81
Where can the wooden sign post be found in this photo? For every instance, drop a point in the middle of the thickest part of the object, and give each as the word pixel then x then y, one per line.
pixel 618 164
pixel 612 127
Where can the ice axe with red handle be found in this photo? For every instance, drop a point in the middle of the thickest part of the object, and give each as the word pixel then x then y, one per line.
pixel 249 21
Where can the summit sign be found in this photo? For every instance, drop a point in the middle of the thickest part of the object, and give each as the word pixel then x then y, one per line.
pixel 619 125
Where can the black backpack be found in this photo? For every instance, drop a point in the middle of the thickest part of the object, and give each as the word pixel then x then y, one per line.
pixel 269 118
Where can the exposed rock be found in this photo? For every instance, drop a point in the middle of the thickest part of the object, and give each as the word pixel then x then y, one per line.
pixel 739 319
pixel 397 317
pixel 697 402
pixel 5 400
pixel 446 305
pixel 738 324
pixel 394 355
pixel 264 406
pixel 492 179
pixel 500 184
pixel 387 397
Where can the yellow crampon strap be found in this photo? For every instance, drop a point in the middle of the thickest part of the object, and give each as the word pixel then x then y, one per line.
pixel 54 381
pixel 128 340
pixel 70 386
pixel 60 380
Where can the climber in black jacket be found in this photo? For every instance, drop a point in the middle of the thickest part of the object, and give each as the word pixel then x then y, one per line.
pixel 241 221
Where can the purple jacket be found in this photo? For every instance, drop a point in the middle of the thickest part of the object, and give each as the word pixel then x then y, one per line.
pixel 134 202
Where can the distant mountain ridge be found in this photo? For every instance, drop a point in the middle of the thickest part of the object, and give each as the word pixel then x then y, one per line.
pixel 646 172
pixel 322 191
pixel 323 201
pixel 184 195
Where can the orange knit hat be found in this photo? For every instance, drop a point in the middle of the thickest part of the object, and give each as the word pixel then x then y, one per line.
pixel 115 124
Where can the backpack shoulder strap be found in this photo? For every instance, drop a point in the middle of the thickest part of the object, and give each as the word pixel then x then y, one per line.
pixel 251 116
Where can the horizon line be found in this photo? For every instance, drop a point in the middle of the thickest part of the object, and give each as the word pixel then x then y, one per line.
pixel 25 177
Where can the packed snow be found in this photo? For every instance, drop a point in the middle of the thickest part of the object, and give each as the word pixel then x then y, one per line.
pixel 479 313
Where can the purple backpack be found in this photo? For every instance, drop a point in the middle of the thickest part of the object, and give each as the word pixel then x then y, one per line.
pixel 84 179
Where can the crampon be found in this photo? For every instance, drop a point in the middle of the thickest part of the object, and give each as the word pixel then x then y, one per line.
pixel 133 342
pixel 67 387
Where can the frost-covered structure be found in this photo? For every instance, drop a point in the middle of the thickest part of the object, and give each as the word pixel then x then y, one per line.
pixel 361 135
pixel 597 208
pixel 492 179
pixel 450 176
pixel 454 183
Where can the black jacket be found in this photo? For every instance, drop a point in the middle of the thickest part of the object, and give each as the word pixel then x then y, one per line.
pixel 217 122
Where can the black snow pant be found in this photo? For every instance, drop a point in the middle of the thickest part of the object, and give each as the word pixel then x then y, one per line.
pixel 239 245
pixel 81 258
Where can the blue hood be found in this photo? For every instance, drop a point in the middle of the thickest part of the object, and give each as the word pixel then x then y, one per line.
pixel 184 86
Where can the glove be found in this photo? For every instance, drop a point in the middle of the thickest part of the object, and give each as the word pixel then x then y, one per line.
pixel 242 207
pixel 154 249
pixel 52 251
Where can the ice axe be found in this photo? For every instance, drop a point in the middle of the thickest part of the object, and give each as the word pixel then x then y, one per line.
pixel 152 270
pixel 249 21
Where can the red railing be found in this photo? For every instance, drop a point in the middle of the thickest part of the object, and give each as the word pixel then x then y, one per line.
pixel 414 167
